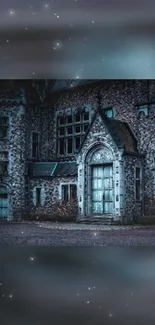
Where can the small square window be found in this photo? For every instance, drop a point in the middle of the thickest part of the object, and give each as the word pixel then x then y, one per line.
pixel 109 112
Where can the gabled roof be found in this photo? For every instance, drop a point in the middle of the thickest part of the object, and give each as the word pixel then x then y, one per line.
pixel 120 132
pixel 54 169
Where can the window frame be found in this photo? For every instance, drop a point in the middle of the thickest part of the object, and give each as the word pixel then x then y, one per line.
pixel 110 108
pixel 138 180
pixel 35 143
pixel 75 124
pixel 142 109
pixel 5 125
pixel 36 190
pixel 5 162
pixel 68 185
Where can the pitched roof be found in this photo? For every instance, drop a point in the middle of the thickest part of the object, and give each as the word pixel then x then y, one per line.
pixel 66 169
pixel 120 132
pixel 54 169
pixel 42 169
pixel 122 135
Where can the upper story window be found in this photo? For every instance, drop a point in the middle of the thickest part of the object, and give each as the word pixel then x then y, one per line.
pixel 4 127
pixel 109 112
pixel 35 145
pixel 71 128
pixel 4 162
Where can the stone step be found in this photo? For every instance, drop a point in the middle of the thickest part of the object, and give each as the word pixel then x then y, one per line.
pixel 104 221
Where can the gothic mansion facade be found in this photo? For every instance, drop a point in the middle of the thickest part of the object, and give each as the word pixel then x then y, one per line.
pixel 94 140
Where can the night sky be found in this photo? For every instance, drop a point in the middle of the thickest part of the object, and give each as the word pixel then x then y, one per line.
pixel 77 39
pixel 44 286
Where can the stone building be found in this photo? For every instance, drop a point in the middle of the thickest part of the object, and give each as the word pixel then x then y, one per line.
pixel 93 140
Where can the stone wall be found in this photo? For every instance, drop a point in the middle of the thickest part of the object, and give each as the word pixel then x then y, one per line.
pixel 15 145
pixel 133 209
pixel 51 191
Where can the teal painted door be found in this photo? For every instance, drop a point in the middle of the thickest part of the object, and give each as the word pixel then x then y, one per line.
pixel 102 189
pixel 3 206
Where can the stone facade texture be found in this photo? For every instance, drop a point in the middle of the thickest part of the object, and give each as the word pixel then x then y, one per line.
pixel 31 109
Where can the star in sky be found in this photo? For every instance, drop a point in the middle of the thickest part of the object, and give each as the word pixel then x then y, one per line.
pixel 109 39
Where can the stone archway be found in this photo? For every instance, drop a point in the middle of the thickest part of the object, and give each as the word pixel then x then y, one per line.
pixel 99 185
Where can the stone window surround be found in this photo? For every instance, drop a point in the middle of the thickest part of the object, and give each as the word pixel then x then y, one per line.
pixel 65 183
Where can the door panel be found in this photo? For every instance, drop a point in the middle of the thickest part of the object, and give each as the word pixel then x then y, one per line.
pixel 97 196
pixel 3 206
pixel 100 184
pixel 94 184
pixel 102 189
pixel 97 207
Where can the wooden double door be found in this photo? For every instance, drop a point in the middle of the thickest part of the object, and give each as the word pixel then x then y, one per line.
pixel 102 189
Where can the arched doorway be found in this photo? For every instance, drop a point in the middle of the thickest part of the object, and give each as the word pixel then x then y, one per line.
pixel 99 185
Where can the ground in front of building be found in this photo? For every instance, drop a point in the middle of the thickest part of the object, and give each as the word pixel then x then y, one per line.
pixel 70 234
